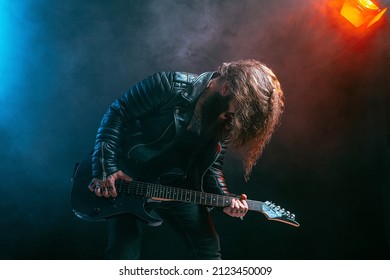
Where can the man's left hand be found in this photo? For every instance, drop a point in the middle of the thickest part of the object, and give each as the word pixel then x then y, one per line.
pixel 238 208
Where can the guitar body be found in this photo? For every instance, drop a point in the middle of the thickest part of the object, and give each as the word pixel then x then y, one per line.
pixel 88 206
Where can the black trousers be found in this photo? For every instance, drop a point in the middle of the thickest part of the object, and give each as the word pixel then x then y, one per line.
pixel 192 220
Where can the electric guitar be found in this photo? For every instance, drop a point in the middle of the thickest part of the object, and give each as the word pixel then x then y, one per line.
pixel 139 198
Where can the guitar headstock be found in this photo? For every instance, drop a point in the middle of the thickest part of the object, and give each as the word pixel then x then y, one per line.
pixel 276 213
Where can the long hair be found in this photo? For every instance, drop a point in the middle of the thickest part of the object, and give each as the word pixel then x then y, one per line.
pixel 260 103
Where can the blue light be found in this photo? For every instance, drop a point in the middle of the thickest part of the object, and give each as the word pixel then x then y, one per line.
pixel 14 40
pixel 16 50
pixel 11 38
pixel 8 42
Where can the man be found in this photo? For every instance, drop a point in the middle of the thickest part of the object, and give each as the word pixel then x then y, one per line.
pixel 180 124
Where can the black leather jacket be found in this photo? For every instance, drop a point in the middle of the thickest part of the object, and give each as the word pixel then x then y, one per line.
pixel 149 120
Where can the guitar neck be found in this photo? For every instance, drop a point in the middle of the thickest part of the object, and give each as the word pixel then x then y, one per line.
pixel 149 190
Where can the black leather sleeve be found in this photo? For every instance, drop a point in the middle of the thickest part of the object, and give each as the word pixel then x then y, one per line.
pixel 142 99
pixel 214 179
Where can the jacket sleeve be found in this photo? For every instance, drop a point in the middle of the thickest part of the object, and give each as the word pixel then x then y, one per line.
pixel 214 178
pixel 142 99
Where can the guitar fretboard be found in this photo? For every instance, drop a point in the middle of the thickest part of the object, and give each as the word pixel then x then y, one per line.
pixel 150 190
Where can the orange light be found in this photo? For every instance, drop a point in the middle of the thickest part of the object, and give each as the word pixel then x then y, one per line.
pixel 377 17
pixel 361 12
pixel 368 4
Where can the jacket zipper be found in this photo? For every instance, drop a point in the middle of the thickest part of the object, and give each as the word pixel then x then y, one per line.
pixel 104 173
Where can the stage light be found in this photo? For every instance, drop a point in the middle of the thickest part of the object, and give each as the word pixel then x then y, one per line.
pixel 362 13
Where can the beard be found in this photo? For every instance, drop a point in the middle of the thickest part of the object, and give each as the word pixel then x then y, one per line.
pixel 195 127
pixel 205 123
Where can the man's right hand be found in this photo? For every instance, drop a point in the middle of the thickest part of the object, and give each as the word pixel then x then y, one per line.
pixel 107 188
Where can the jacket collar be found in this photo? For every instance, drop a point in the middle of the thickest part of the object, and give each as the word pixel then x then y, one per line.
pixel 199 84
